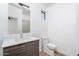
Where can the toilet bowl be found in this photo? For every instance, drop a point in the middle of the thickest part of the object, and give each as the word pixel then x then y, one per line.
pixel 51 46
pixel 46 42
pixel 47 46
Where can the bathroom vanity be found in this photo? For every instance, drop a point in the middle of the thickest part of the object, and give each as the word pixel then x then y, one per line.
pixel 21 48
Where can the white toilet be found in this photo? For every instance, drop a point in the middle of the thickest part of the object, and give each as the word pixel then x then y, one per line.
pixel 50 46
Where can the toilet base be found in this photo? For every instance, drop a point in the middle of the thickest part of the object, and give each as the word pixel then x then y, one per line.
pixel 49 52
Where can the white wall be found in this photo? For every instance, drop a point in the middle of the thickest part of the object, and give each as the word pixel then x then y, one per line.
pixel 3 22
pixel 38 24
pixel 62 27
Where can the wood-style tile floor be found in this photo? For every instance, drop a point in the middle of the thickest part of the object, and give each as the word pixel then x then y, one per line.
pixel 45 54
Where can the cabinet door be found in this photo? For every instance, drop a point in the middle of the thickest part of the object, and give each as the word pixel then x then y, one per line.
pixel 32 48
pixel 25 49
pixel 13 50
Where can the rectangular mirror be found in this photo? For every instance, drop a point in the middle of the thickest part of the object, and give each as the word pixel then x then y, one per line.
pixel 18 18
pixel 14 15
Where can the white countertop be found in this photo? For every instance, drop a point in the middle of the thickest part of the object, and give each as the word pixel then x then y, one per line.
pixel 11 42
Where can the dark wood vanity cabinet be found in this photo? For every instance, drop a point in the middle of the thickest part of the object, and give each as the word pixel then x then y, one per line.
pixel 24 49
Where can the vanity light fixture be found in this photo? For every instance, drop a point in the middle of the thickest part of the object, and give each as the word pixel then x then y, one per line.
pixel 21 4
pixel 44 14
